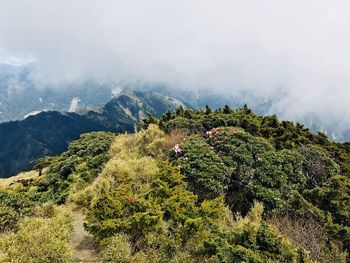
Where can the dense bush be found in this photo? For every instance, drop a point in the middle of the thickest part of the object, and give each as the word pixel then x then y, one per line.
pixel 76 167
pixel 333 197
pixel 41 238
pixel 203 169
pixel 16 203
pixel 281 164
pixel 233 162
pixel 281 134
pixel 142 210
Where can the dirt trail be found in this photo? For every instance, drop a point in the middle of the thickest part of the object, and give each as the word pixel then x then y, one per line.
pixel 85 247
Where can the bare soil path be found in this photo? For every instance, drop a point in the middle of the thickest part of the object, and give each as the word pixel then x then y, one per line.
pixel 85 246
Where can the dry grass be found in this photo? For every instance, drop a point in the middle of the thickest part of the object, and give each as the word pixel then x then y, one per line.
pixel 43 237
pixel 132 159
pixel 5 182
pixel 302 232
pixel 176 136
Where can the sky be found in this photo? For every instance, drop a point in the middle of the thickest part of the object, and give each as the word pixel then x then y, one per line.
pixel 293 52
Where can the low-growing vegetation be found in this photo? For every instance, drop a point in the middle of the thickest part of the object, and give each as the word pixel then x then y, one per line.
pixel 142 210
pixel 194 186
pixel 43 237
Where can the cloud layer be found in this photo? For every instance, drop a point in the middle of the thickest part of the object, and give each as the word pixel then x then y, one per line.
pixel 294 52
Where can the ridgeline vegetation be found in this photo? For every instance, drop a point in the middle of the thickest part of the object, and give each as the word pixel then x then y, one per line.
pixel 191 186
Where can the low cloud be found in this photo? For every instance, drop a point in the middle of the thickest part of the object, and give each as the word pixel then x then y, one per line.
pixel 74 104
pixel 294 53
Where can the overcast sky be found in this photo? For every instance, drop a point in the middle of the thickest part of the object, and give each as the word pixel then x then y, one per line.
pixel 298 48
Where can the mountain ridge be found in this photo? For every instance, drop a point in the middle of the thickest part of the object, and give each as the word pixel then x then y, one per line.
pixel 49 132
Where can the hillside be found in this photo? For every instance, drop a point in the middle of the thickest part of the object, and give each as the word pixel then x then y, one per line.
pixel 195 186
pixel 49 133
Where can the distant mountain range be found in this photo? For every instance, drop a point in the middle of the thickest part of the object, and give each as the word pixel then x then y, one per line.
pixel 21 96
pixel 38 120
pixel 49 132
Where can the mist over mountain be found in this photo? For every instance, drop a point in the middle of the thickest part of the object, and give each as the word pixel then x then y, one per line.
pixel 255 52
pixel 22 96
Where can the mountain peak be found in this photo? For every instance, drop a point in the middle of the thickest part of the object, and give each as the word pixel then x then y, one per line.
pixel 49 132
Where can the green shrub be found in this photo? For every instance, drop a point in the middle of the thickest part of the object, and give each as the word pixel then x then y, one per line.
pixel 333 197
pixel 81 163
pixel 8 218
pixel 204 170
